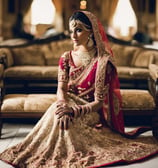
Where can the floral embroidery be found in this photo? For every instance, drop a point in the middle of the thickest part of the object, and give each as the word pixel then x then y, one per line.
pixel 63 70
pixel 116 104
pixel 100 88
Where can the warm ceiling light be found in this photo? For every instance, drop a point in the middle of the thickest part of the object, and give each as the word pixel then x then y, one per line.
pixel 83 4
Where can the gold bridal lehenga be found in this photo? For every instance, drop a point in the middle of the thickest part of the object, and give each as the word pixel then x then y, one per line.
pixel 93 140
pixel 81 146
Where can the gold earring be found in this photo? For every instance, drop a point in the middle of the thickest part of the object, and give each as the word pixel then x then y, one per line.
pixel 90 42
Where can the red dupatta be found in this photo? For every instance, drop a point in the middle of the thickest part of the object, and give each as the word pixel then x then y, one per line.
pixel 113 113
pixel 112 108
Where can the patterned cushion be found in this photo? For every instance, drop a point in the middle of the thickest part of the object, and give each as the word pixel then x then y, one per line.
pixel 143 58
pixel 32 72
pixel 28 56
pixel 137 99
pixel 131 99
pixel 53 50
pixel 123 54
pixel 58 48
pixel 132 72
pixel 48 54
pixel 27 103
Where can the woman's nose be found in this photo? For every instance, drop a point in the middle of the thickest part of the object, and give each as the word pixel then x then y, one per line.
pixel 73 35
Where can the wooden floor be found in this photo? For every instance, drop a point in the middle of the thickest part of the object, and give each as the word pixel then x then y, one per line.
pixel 13 133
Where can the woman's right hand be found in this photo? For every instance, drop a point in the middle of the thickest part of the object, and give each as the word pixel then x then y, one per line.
pixel 64 114
pixel 64 122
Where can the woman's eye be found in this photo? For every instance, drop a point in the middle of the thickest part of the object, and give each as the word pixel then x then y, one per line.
pixel 78 30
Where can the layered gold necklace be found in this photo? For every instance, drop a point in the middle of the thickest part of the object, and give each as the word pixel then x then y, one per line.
pixel 86 56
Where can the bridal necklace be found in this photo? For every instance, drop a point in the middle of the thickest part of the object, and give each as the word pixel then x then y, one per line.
pixel 86 56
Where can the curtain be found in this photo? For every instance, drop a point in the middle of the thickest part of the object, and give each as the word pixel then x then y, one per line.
pixel 103 9
pixel 108 10
pixel 24 6
pixel 137 6
pixel 58 24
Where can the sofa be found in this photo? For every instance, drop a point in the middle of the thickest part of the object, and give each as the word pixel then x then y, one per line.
pixel 28 78
pixel 33 67
pixel 133 64
pixel 142 103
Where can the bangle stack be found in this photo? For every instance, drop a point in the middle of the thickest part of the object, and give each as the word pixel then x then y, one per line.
pixel 80 110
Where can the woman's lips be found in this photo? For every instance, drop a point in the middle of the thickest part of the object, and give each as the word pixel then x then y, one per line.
pixel 75 41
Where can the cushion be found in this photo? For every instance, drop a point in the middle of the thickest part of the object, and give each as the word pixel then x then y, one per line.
pixel 143 58
pixel 28 56
pixel 117 52
pixel 137 99
pixel 58 48
pixel 123 54
pixel 132 72
pixel 27 103
pixel 48 54
pixel 131 99
pixel 32 72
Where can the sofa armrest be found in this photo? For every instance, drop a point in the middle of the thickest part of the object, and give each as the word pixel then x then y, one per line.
pixel 153 69
pixel 3 60
pixel 153 87
pixel 153 81
pixel 1 80
pixel 6 57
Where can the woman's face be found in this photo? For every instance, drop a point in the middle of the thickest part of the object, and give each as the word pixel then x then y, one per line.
pixel 78 33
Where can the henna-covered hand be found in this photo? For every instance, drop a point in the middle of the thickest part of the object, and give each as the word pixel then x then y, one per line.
pixel 63 109
pixel 64 122
pixel 64 114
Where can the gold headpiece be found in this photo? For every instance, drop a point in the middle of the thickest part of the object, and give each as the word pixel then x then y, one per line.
pixel 74 23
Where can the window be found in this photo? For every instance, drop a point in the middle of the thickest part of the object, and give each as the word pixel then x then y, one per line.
pixel 40 17
pixel 124 21
pixel 42 12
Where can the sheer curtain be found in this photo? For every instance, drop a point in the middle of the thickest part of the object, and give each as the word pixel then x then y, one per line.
pixel 24 6
pixel 58 16
pixel 136 6
pixel 108 10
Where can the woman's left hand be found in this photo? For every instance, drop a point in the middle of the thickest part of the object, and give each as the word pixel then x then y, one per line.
pixel 63 109
pixel 64 115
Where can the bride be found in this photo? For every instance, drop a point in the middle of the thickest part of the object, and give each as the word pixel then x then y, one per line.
pixel 84 127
